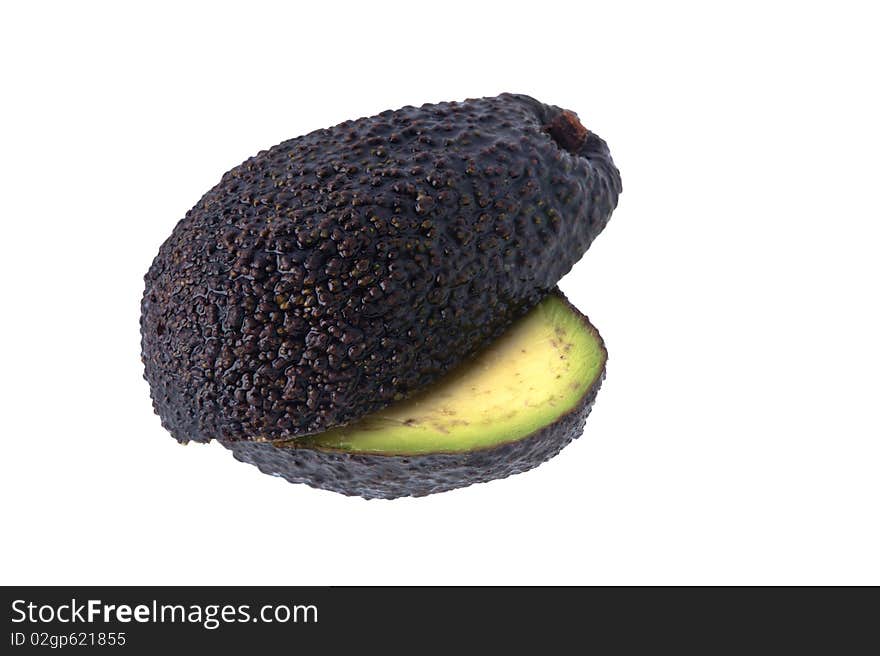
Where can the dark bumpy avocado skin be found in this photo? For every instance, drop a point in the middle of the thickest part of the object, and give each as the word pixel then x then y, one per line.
pixel 337 272
pixel 390 477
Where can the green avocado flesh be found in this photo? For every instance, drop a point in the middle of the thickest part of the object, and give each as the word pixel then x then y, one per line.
pixel 535 373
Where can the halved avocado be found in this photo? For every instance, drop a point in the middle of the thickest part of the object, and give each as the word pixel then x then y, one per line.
pixel 510 408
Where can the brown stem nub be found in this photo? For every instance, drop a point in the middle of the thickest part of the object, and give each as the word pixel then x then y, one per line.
pixel 567 131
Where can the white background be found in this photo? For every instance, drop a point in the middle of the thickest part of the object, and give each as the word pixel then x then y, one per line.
pixel 736 438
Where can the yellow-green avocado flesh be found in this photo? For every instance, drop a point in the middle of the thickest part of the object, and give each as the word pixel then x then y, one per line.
pixel 505 411
pixel 538 371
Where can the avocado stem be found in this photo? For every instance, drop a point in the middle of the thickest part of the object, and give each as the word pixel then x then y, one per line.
pixel 567 131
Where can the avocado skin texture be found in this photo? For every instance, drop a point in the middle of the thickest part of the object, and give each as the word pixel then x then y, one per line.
pixel 392 476
pixel 343 270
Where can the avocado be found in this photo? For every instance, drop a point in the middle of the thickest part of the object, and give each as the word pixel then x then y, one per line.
pixel 507 410
pixel 350 268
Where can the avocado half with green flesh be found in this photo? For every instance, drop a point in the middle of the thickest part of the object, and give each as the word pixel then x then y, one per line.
pixel 510 408
pixel 350 268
